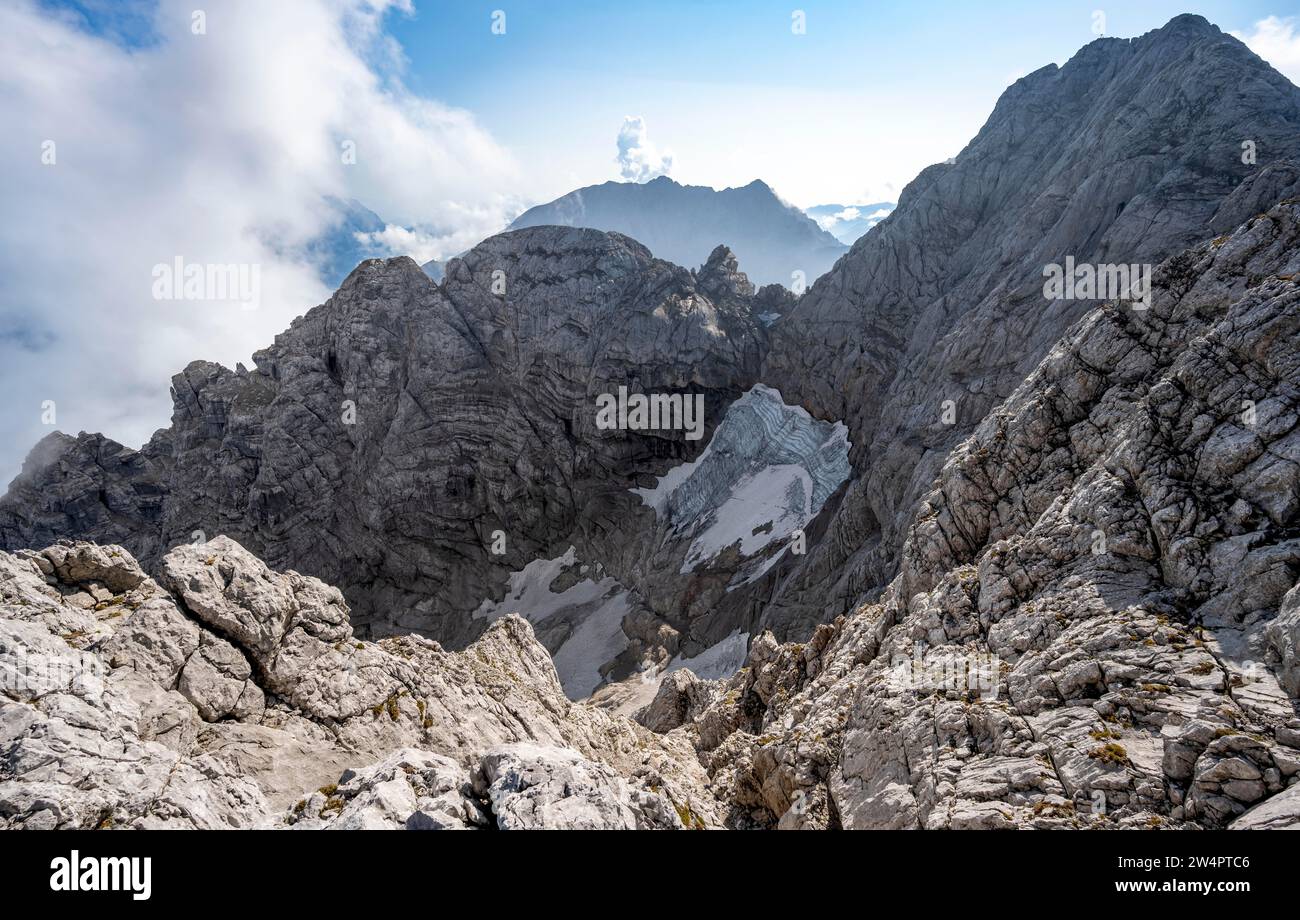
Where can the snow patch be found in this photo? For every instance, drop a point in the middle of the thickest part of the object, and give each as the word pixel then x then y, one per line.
pixel 591 609
pixel 764 507
pixel 530 593
pixel 767 473
pixel 658 495
pixel 717 661
pixel 599 638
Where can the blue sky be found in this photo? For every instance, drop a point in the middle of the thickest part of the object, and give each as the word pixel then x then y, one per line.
pixel 871 93
pixel 848 111
pixel 222 145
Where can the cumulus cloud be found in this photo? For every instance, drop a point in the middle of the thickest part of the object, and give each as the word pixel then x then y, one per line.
pixel 828 221
pixel 224 146
pixel 638 159
pixel 420 245
pixel 1277 41
pixel 464 226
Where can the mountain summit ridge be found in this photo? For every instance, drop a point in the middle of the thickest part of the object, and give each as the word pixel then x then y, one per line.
pixel 683 224
pixel 1128 153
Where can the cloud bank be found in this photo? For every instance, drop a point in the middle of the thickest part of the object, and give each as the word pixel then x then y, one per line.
pixel 217 143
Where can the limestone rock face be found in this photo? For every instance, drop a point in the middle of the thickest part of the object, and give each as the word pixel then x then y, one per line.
pixel 679 697
pixel 1050 571
pixel 1093 621
pixel 513 787
pixel 88 486
pixel 1129 153
pixel 218 702
pixel 408 790
pixel 1280 813
pixel 419 443
pixel 533 788
pixel 682 565
pixel 1283 641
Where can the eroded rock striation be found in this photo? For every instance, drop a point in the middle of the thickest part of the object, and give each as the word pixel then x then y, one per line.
pixel 1051 567
pixel 419 444
pixel 389 434
pixel 1093 625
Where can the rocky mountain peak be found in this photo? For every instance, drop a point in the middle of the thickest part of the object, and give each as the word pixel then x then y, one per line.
pixel 1130 152
pixel 684 223
pixel 721 278
pixel 385 437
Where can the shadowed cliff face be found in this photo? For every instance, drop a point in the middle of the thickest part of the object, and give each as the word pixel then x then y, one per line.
pixel 389 433
pixel 395 437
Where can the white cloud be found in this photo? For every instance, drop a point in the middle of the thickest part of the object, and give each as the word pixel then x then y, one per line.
pixel 420 245
pixel 1277 41
pixel 469 226
pixel 638 159
pixel 218 148
pixel 828 221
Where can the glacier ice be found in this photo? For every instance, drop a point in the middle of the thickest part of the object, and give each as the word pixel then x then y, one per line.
pixel 768 470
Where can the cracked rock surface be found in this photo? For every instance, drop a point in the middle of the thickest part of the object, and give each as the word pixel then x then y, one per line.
pixel 1093 625
pixel 390 438
pixel 220 696
pixel 1128 154
pixel 388 434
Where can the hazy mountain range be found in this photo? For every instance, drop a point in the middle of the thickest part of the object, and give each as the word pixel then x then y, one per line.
pixel 680 223
pixel 683 223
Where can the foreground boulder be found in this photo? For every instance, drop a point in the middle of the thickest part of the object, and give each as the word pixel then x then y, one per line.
pixel 532 787
pixel 217 702
pixel 408 790
pixel 513 787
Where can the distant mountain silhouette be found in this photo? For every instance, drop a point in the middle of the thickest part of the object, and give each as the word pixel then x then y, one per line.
pixel 435 269
pixel 683 224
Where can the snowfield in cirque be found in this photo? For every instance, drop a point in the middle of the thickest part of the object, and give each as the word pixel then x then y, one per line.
pixel 586 617
pixel 767 472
